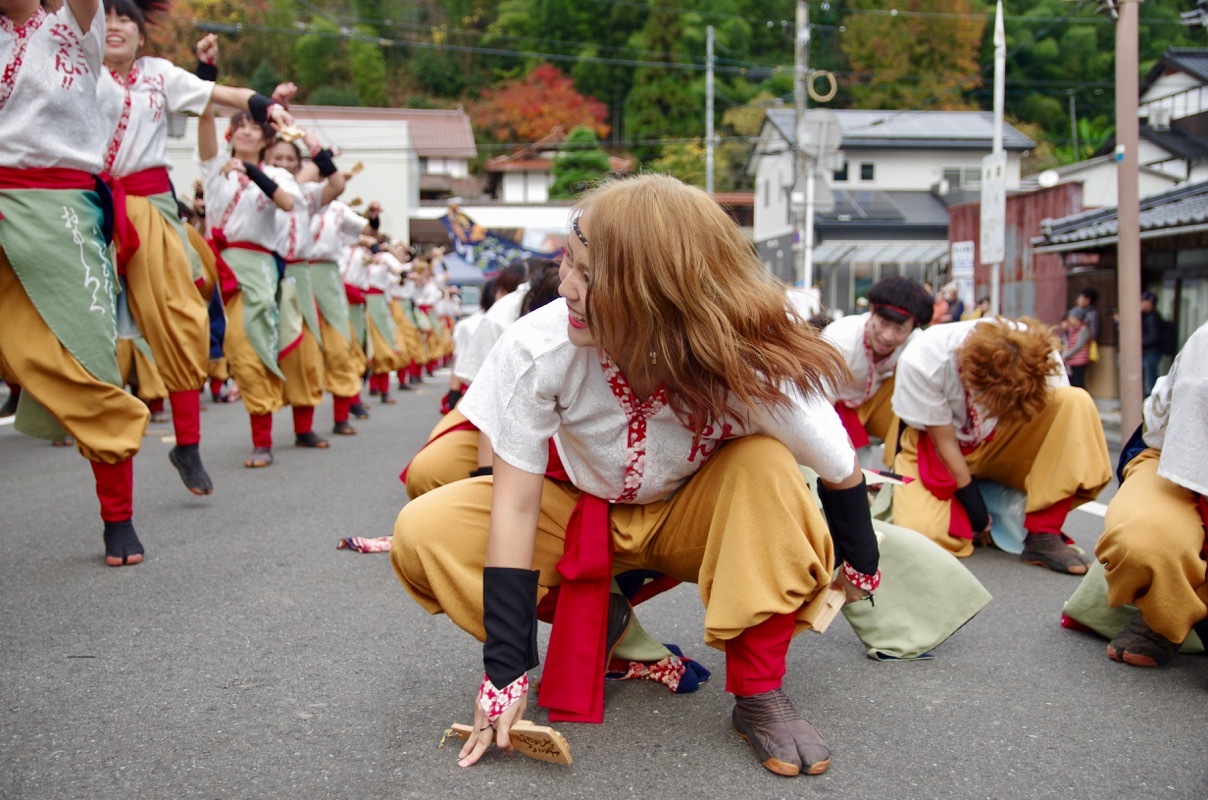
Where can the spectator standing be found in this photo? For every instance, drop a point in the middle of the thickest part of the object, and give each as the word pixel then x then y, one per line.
pixel 1151 341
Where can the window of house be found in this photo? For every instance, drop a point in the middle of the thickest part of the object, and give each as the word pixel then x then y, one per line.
pixel 962 177
pixel 423 165
pixel 841 173
pixel 867 171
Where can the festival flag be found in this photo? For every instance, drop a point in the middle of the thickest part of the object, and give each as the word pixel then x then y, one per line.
pixel 482 248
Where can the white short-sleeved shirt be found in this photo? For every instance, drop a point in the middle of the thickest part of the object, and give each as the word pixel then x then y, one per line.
pixel 238 206
pixel 849 335
pixel 427 293
pixel 1176 416
pixel 927 386
pixel 353 269
pixel 48 83
pixel 334 230
pixel 378 274
pixel 537 384
pixel 498 318
pixel 463 331
pixel 135 111
pixel 295 225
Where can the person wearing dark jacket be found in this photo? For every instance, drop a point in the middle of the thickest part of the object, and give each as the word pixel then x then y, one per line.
pixel 1151 341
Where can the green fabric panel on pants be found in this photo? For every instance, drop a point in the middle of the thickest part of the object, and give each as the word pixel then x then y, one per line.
pixel 53 240
pixel 376 307
pixel 1088 606
pixel 329 294
pixel 300 273
pixel 360 329
pixel 257 276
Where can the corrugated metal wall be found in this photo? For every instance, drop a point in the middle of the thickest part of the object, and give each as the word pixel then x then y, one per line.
pixel 1033 285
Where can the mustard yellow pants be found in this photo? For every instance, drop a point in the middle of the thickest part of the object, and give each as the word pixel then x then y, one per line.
pixel 412 346
pixel 1151 548
pixel 303 370
pixel 341 373
pixel 387 351
pixel 261 390
pixel 106 422
pixel 442 460
pixel 876 415
pixel 165 302
pixel 1061 454
pixel 136 368
pixel 745 528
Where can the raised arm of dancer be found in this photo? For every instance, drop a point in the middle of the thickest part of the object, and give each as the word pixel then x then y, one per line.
pixel 84 11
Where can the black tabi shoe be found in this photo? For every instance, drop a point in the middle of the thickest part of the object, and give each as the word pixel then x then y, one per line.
pixel 122 547
pixel 344 428
pixel 359 411
pixel 187 460
pixel 783 742
pixel 311 439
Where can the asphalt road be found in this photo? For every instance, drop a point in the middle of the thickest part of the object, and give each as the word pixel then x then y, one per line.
pixel 248 658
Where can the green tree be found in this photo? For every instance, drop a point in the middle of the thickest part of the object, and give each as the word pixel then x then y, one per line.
pixel 908 61
pixel 579 163
pixel 684 160
pixel 334 96
pixel 264 79
pixel 316 54
pixel 367 64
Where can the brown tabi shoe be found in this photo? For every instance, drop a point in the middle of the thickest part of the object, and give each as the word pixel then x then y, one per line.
pixel 1050 550
pixel 1140 646
pixel 783 742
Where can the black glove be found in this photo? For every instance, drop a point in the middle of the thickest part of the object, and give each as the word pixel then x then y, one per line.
pixel 266 184
pixel 971 500
pixel 509 614
pixel 207 72
pixel 851 526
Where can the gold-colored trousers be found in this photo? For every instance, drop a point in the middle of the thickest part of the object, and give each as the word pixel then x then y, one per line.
pixel 445 458
pixel 106 421
pixel 262 391
pixel 1151 548
pixel 1061 454
pixel 745 528
pixel 341 373
pixel 303 370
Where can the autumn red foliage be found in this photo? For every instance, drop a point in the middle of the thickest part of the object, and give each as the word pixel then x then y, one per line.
pixel 528 109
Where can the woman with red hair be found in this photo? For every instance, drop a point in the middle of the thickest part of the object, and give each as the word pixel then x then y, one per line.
pixel 989 398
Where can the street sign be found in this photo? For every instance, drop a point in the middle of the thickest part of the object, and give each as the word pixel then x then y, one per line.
pixel 962 259
pixel 994 208
pixel 820 133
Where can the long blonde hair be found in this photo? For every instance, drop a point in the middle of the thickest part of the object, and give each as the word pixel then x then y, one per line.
pixel 678 296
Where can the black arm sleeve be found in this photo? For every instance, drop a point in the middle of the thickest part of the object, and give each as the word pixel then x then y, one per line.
pixel 971 500
pixel 258 105
pixel 266 184
pixel 207 72
pixel 509 614
pixel 851 526
pixel 375 223
pixel 323 161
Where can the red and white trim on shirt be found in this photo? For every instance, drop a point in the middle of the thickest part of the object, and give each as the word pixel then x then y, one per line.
pixel 637 412
pixel 8 79
pixel 123 122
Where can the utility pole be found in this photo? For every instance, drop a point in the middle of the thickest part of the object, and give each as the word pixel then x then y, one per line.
pixel 805 228
pixel 709 109
pixel 1128 214
pixel 994 179
pixel 1074 127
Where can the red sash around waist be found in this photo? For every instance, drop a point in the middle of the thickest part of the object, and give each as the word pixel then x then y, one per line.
pixel 228 284
pixel 935 476
pixel 354 294
pixel 374 291
pixel 851 423
pixel 140 184
pixel 46 178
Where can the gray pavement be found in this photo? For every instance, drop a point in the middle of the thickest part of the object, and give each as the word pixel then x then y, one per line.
pixel 248 658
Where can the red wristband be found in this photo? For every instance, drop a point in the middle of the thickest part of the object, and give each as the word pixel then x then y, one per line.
pixel 868 583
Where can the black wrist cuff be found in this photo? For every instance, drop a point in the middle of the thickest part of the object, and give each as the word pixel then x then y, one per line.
pixel 207 72
pixel 970 499
pixel 452 399
pixel 266 184
pixel 851 526
pixel 375 222
pixel 478 473
pixel 509 614
pixel 258 105
pixel 323 161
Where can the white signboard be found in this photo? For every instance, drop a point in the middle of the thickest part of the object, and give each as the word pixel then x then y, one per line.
pixel 994 208
pixel 962 260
